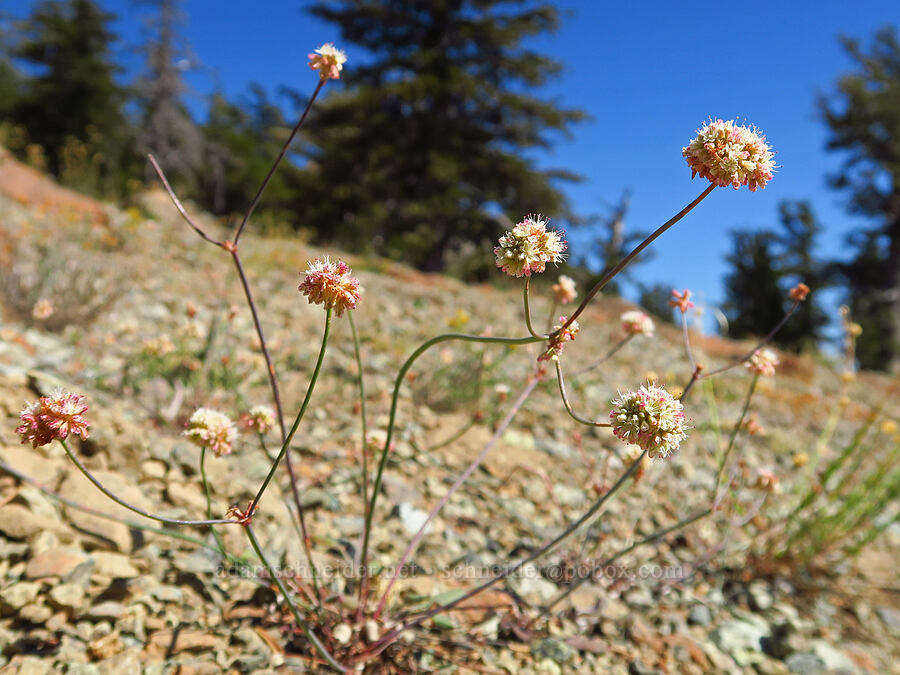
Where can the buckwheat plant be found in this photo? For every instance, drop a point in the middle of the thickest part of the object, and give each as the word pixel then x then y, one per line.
pixel 347 631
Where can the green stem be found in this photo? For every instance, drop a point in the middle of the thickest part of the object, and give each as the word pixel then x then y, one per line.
pixel 398 382
pixel 304 626
pixel 174 534
pixel 528 311
pixel 206 490
pixel 300 413
pixel 121 502
pixel 631 256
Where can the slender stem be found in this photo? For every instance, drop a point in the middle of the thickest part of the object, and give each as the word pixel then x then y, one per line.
pixel 262 445
pixel 362 413
pixel 616 347
pixel 131 507
pixel 270 368
pixel 734 433
pixel 528 312
pixel 656 536
pixel 687 342
pixel 206 490
pixel 393 634
pixel 565 399
pixel 526 392
pixel 178 204
pixel 398 382
pixel 175 534
pixel 284 149
pixel 300 413
pixel 304 626
pixel 631 256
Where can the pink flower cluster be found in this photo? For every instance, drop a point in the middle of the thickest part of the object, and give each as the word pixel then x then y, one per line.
pixel 650 418
pixel 528 247
pixel 763 362
pixel 726 153
pixel 53 417
pixel 211 429
pixel 635 322
pixel 328 60
pixel 260 418
pixel 330 284
pixel 555 345
pixel 564 290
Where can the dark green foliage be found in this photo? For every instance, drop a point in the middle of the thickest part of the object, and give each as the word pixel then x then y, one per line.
pixel 72 104
pixel 423 150
pixel 864 120
pixel 765 265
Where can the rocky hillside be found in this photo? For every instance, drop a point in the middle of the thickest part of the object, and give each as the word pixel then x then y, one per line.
pixel 132 309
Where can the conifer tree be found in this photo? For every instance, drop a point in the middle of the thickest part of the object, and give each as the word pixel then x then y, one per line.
pixel 423 151
pixel 73 94
pixel 864 120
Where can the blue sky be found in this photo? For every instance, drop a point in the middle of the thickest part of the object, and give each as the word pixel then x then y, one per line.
pixel 648 73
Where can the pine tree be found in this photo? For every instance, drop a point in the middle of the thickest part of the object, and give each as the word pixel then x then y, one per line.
pixel 423 151
pixel 166 128
pixel 864 120
pixel 73 96
pixel 765 264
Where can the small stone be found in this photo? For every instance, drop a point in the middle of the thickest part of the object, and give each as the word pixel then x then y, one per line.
pixel 54 562
pixel 760 597
pixel 31 665
pixel 67 597
pixel 106 646
pixel 637 667
pixel 556 651
pixel 834 660
pixel 699 616
pixel 113 565
pixel 891 618
pixel 129 661
pixel 18 522
pixel 741 640
pixel 412 518
pixel 15 597
pixel 805 663
pixel 640 598
pixel 342 633
pixel 37 613
pixel 104 611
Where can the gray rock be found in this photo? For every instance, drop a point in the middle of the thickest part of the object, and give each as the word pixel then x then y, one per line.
pixel 834 660
pixel 891 618
pixel 412 518
pixel 699 616
pixel 18 595
pixel 18 522
pixel 805 663
pixel 67 597
pixel 640 597
pixel 553 448
pixel 742 640
pixel 556 651
pixel 105 611
pixel 760 597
